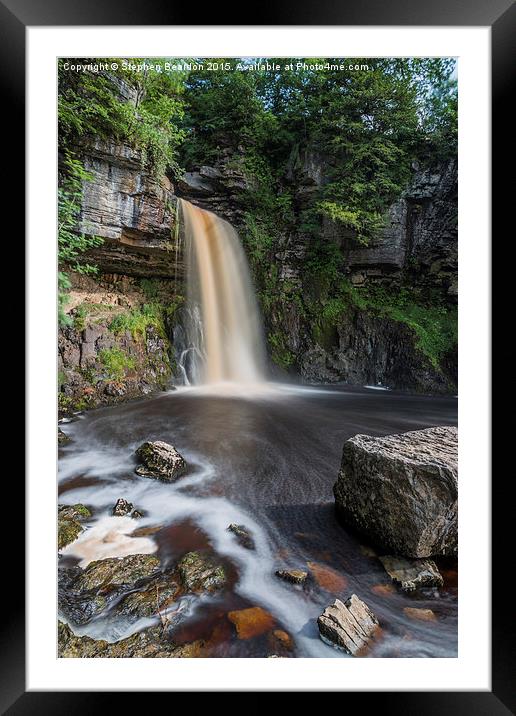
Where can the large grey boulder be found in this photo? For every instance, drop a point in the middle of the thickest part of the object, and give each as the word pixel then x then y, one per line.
pixel 401 490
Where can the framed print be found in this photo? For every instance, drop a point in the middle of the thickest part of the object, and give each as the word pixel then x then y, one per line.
pixel 258 269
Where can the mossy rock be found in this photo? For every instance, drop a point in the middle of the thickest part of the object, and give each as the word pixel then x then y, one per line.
pixel 116 572
pixel 200 573
pixel 85 593
pixel 149 643
pixel 69 525
pixel 73 512
pixel 67 532
pixel 62 438
pixel 157 596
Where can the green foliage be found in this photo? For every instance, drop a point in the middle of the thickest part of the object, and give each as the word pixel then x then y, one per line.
pixel 280 353
pixel 138 320
pixel 150 287
pixel 63 285
pixel 71 243
pixel 92 104
pixel 116 362
pixel 434 324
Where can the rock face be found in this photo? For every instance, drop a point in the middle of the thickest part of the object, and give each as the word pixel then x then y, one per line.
pixel 137 216
pixel 160 460
pixel 401 490
pixel 132 211
pixel 421 233
pixel 412 574
pixel 365 349
pixel 417 248
pixel 149 643
pixel 349 626
pixel 100 364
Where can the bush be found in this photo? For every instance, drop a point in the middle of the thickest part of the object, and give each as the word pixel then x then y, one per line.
pixel 137 321
pixel 116 362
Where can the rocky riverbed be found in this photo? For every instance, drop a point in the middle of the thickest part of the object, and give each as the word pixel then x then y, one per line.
pixel 194 525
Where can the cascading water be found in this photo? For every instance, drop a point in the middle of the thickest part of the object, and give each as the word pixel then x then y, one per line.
pixel 225 341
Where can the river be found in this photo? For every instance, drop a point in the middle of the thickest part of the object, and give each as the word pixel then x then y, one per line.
pixel 266 459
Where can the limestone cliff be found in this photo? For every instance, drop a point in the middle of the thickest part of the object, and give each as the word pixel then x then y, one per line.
pixel 136 215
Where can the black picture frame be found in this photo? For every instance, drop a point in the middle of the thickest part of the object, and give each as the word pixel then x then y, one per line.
pixel 500 15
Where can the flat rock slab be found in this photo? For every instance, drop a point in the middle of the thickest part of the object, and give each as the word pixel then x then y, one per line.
pixel 411 574
pixel 160 461
pixel 401 490
pixel 348 626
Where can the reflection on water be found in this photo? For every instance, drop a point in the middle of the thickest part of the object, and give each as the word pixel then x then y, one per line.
pixel 267 459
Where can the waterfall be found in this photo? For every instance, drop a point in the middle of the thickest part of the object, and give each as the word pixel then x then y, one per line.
pixel 224 333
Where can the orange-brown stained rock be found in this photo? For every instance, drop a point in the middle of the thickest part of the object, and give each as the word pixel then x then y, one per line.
pixel 424 615
pixel 145 531
pixel 327 578
pixel 281 637
pixel 384 589
pixel 251 622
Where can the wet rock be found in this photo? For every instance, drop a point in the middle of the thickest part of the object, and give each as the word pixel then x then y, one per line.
pixel 424 615
pixel 251 622
pixel 327 578
pixel 242 535
pixel 73 512
pixel 62 438
pixel 116 572
pixel 280 639
pixel 149 643
pixel 115 388
pixel 348 626
pixel 146 531
pixel 412 574
pixel 67 532
pixel 157 596
pixel 160 460
pixel 401 490
pixel 200 573
pixel 294 576
pixel 69 525
pixel 122 507
pixel 84 593
pixel 137 514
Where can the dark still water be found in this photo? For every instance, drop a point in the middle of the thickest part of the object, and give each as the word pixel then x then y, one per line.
pixel 267 460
